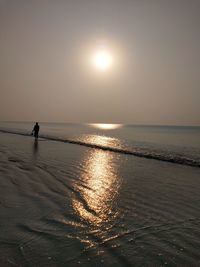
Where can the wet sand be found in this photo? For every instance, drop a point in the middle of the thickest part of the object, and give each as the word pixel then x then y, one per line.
pixel 68 205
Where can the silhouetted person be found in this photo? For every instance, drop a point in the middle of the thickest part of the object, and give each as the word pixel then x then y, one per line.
pixel 36 129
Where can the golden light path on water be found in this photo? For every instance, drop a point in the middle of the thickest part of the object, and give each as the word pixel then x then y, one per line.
pixel 101 185
pixel 101 140
pixel 106 126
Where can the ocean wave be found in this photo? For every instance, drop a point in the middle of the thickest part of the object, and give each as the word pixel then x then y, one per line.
pixel 149 154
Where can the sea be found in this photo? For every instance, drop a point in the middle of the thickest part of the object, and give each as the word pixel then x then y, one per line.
pixel 178 144
pixel 99 195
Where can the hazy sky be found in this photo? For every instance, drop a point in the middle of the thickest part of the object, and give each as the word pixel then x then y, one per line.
pixel 46 73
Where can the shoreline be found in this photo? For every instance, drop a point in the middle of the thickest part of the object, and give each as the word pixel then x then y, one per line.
pixel 164 158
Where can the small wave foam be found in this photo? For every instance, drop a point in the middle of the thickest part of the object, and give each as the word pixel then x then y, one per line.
pixel 149 154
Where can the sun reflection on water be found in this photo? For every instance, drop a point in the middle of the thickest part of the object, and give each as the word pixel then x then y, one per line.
pixel 98 188
pixel 106 126
pixel 101 140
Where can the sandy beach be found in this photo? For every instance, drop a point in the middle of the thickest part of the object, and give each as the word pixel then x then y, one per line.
pixel 69 205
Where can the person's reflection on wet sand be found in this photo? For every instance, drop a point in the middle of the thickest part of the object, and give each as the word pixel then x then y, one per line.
pixel 35 148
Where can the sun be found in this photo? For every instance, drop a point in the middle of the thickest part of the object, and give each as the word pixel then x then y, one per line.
pixel 102 60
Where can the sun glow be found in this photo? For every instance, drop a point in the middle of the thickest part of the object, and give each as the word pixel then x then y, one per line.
pixel 102 60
